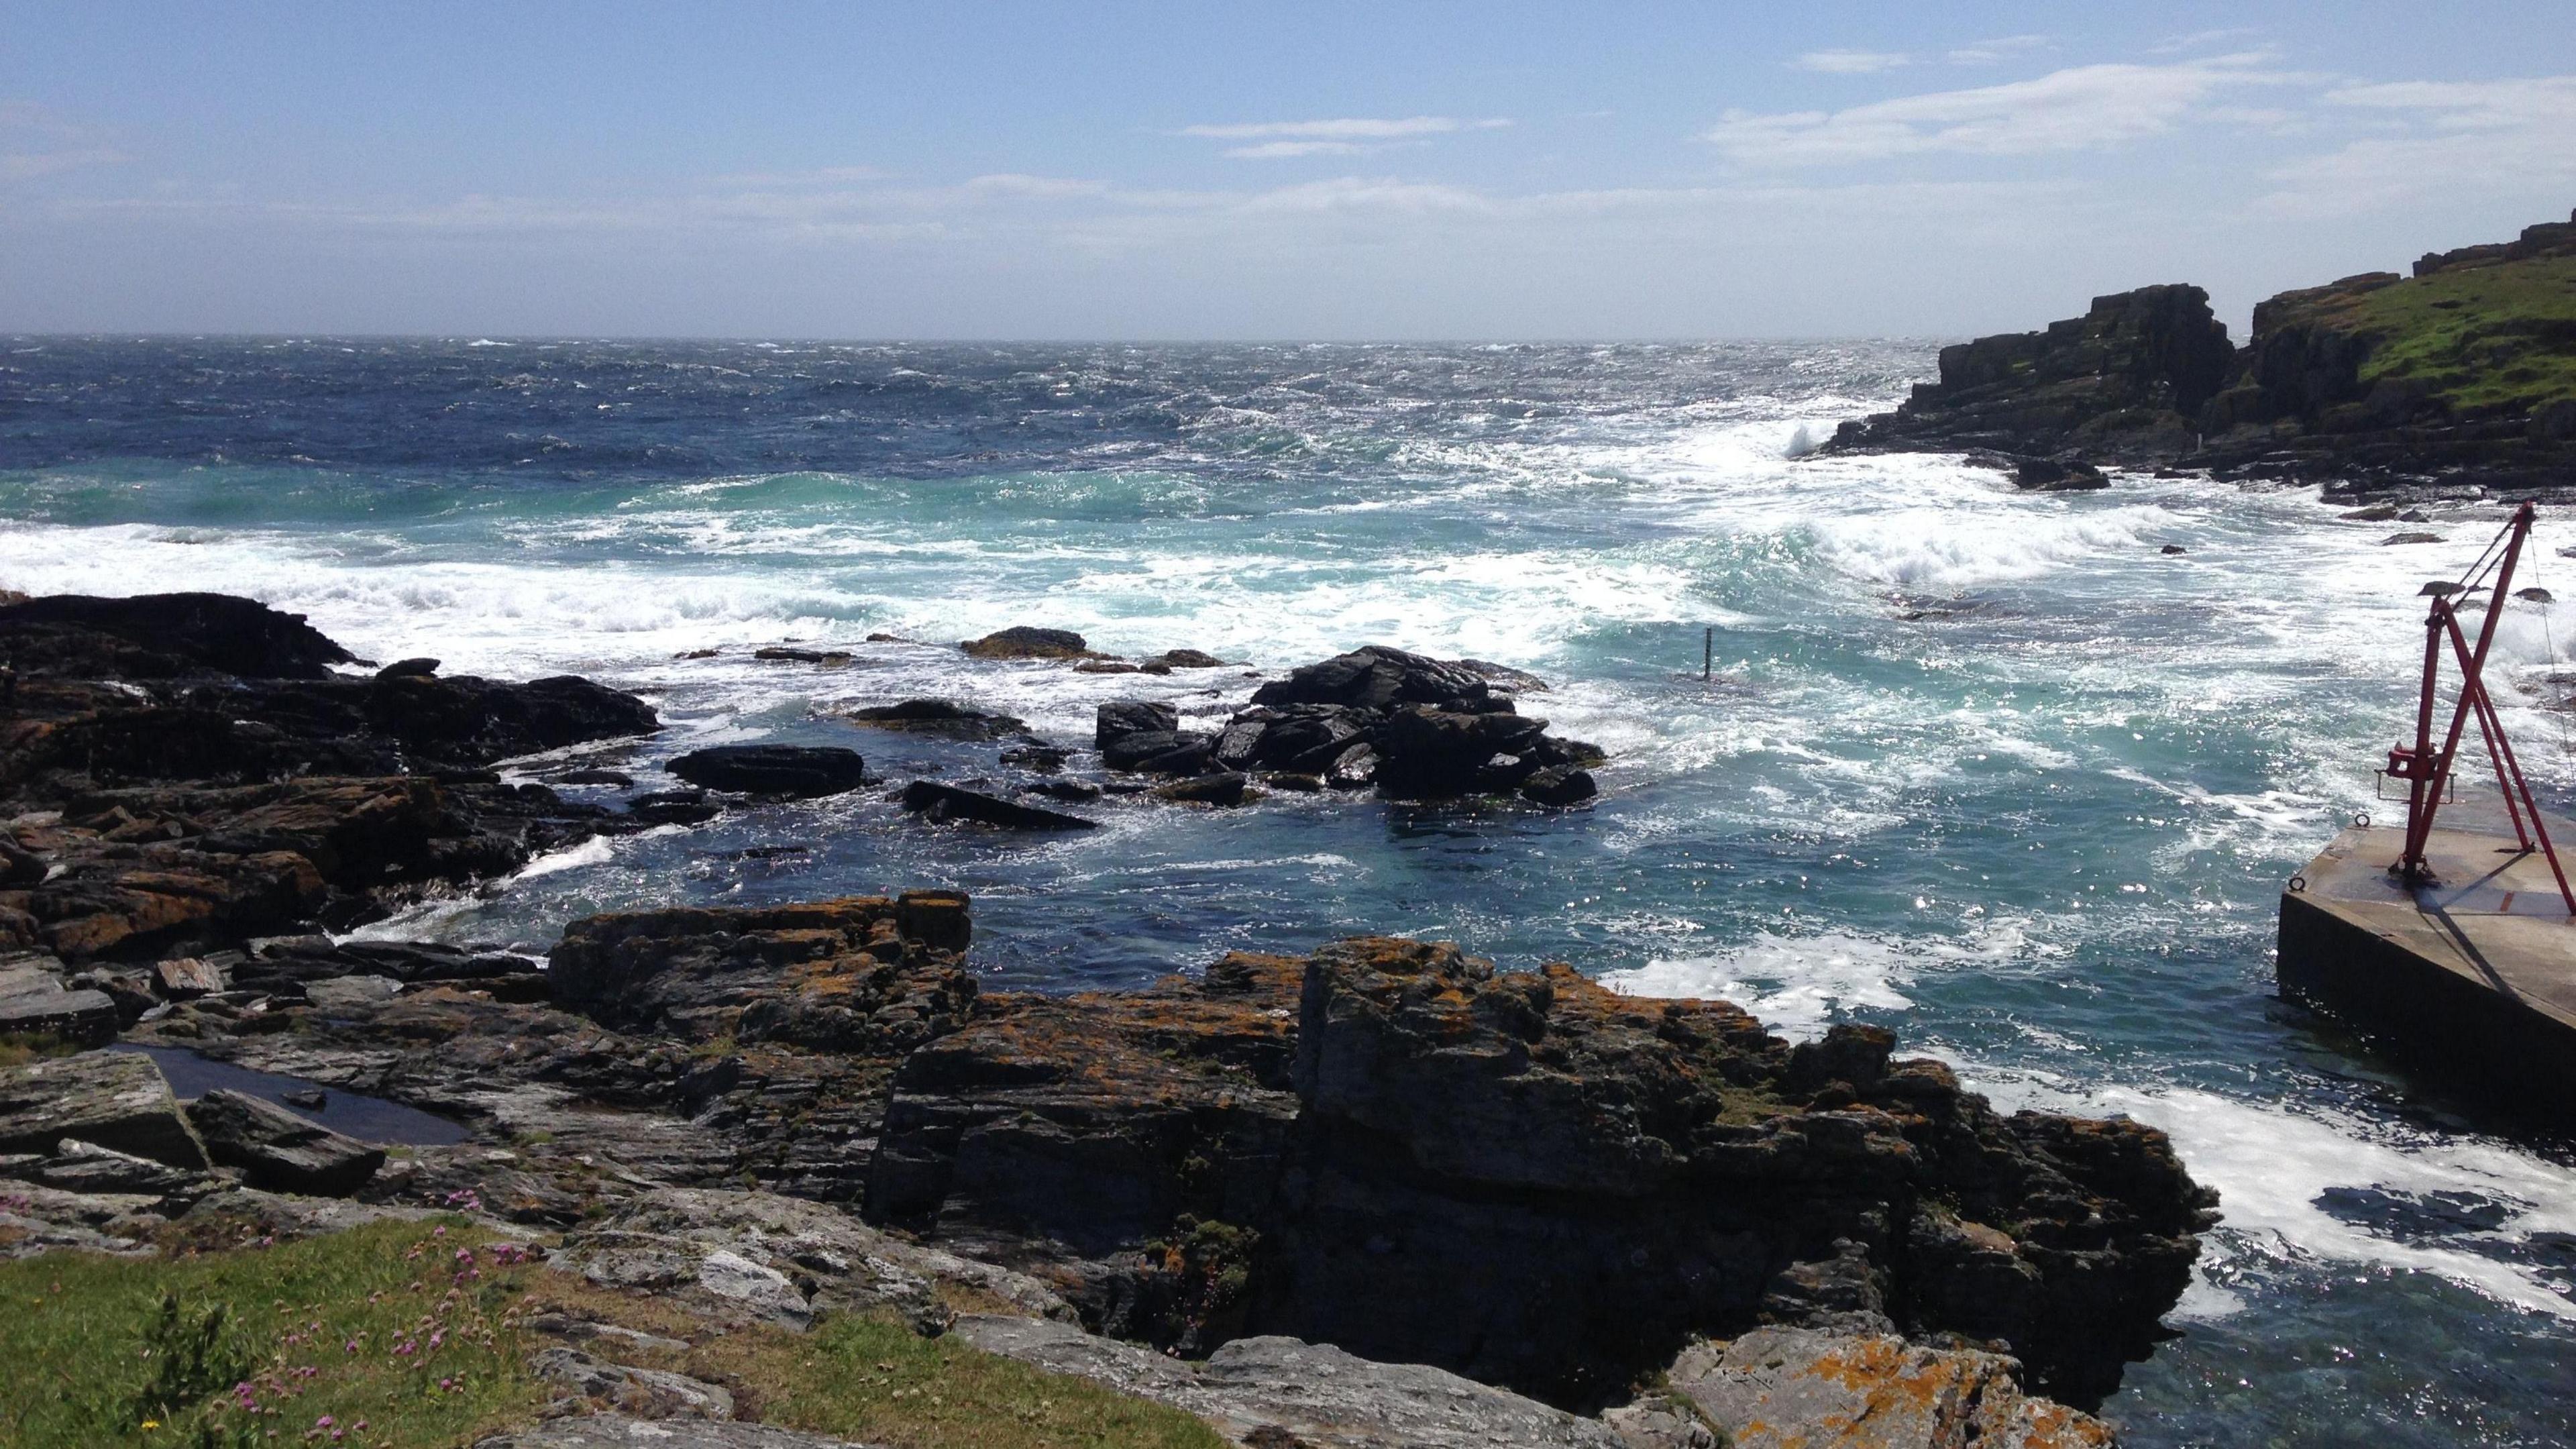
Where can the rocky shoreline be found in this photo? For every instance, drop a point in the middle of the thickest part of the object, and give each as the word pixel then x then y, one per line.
pixel 1379 1193
pixel 2452 383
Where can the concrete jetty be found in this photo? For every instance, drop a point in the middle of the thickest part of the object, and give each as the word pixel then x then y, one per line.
pixel 2471 977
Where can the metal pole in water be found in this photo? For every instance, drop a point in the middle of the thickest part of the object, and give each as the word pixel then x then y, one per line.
pixel 1708 654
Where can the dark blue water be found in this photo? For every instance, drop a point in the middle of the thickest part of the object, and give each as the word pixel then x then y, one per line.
pixel 1987 768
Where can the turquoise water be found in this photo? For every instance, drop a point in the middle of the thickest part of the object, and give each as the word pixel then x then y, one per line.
pixel 1987 768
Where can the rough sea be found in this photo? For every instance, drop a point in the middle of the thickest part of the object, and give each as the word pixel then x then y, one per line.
pixel 1988 768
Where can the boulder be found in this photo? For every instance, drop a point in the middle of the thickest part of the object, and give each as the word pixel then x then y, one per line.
pixel 792 771
pixel 1186 659
pixel 408 669
pixel 1559 785
pixel 1167 752
pixel 1022 641
pixel 947 802
pixel 114 1099
pixel 278 1150
pixel 2051 475
pixel 1120 718
pixel 1376 677
pixel 1795 1388
pixel 1425 752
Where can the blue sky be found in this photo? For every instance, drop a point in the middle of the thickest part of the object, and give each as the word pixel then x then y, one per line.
pixel 1153 171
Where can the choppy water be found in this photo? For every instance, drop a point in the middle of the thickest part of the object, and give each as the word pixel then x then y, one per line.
pixel 1986 768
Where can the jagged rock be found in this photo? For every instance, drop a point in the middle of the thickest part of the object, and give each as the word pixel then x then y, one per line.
pixel 1525 1178
pixel 291 963
pixel 1793 1388
pixel 794 771
pixel 1161 752
pixel 943 717
pixel 2048 475
pixel 161 636
pixel 182 977
pixel 1279 1391
pixel 643 1393
pixel 1022 641
pixel 947 802
pixel 280 1151
pixel 408 669
pixel 117 1100
pixel 1376 677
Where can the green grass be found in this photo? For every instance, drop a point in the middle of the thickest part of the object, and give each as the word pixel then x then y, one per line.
pixel 2473 333
pixel 386 1336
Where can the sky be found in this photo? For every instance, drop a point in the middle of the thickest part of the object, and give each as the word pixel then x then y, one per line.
pixel 1396 170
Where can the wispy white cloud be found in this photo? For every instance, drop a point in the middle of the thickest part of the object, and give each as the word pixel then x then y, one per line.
pixel 1348 128
pixel 2077 109
pixel 1276 150
pixel 2001 48
pixel 2510 137
pixel 37 141
pixel 1850 62
pixel 28 165
pixel 2202 40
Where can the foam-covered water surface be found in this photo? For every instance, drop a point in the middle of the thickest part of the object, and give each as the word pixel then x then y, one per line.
pixel 1991 768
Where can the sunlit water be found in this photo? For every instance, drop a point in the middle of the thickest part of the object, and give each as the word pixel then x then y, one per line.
pixel 1988 768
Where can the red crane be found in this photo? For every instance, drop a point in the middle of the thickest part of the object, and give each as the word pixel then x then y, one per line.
pixel 2427 773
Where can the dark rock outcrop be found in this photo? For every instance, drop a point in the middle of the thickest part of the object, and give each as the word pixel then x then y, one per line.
pixel 799 772
pixel 162 636
pixel 1415 727
pixel 1776 1388
pixel 278 1150
pixel 943 717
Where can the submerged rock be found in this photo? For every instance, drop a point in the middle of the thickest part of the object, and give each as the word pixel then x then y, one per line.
pixel 947 802
pixel 798 772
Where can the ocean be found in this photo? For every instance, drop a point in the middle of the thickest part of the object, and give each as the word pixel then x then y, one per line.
pixel 1992 769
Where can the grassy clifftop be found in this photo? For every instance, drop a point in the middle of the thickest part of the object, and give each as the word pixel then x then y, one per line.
pixel 2493 337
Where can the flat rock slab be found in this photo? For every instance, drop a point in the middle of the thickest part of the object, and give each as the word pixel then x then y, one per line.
pixel 647 1393
pixel 1284 1391
pixel 280 1151
pixel 35 1002
pixel 800 772
pixel 116 1100
pixel 617 1431
pixel 1797 1388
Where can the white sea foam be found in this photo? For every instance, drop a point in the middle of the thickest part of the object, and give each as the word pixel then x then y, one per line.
pixel 2274 1166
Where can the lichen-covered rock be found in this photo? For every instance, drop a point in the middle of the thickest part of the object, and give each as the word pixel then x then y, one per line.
pixel 624 1431
pixel 1792 1388
pixel 114 1099
pixel 620 1388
